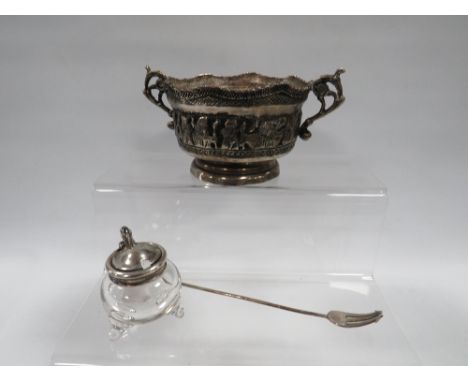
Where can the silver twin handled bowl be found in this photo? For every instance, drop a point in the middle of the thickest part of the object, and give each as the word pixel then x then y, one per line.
pixel 236 126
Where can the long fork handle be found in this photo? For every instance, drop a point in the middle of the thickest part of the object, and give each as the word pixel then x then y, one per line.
pixel 343 319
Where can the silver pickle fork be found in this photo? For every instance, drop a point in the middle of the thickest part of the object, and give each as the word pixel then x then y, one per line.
pixel 339 318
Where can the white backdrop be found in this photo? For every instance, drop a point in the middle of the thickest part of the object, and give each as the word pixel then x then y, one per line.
pixel 71 102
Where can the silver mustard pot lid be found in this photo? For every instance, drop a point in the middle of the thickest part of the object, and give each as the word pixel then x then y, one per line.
pixel 135 263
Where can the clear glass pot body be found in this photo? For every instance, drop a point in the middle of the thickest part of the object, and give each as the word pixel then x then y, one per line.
pixel 133 304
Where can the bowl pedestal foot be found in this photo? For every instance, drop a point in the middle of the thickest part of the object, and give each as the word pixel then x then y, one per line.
pixel 234 173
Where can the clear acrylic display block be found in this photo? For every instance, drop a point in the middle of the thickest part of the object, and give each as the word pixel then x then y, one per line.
pixel 307 238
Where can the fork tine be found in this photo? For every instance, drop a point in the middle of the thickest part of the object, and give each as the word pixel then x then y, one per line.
pixel 350 317
pixel 357 324
pixel 362 322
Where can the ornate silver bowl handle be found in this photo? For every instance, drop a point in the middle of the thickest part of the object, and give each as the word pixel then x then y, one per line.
pixel 342 319
pixel 321 90
pixel 160 86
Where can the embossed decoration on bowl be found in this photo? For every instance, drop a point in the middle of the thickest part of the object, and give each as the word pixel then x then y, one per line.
pixel 236 126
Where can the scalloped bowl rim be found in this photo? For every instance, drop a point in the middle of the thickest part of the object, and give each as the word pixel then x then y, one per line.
pixel 245 82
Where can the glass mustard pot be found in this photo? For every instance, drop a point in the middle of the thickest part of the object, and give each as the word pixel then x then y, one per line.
pixel 141 284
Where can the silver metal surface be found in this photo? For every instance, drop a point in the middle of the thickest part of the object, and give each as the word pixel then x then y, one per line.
pixel 134 263
pixel 232 173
